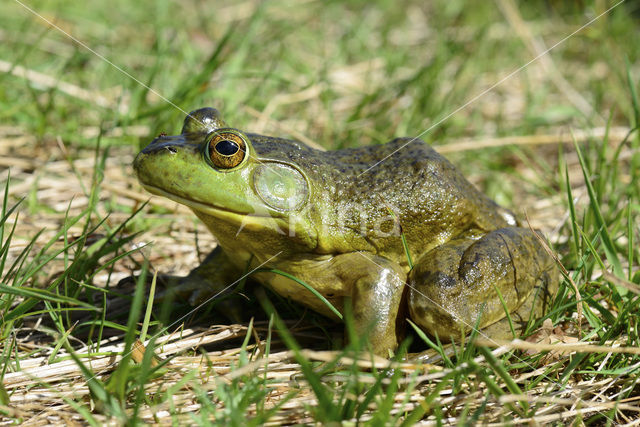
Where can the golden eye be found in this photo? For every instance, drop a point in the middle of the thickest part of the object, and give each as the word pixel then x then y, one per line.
pixel 226 149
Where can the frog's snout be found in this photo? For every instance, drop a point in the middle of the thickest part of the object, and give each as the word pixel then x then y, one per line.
pixel 161 157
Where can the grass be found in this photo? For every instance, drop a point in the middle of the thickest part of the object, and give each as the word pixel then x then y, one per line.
pixel 558 139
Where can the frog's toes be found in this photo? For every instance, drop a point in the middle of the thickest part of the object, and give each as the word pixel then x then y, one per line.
pixel 127 282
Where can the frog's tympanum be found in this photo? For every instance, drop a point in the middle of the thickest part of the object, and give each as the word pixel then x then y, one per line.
pixel 335 220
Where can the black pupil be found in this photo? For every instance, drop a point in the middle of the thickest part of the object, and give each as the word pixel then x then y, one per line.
pixel 227 148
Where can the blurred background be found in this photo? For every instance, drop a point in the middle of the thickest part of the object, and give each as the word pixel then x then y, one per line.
pixel 338 74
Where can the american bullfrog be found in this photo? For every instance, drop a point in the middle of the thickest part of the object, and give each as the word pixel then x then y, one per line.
pixel 335 220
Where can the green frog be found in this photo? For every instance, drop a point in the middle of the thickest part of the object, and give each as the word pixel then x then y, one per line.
pixel 336 221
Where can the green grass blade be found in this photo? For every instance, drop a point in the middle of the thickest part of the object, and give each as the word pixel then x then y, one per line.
pixel 609 247
pixel 634 95
pixel 499 368
pixel 305 285
pixel 630 246
pixel 321 392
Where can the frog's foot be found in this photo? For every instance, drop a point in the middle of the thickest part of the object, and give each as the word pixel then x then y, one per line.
pixel 533 307
pixel 193 289
pixel 458 285
pixel 199 290
pixel 213 280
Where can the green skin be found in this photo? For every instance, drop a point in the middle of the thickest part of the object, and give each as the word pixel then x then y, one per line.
pixel 327 219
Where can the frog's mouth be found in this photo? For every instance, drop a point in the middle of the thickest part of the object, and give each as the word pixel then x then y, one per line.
pixel 259 221
pixel 215 211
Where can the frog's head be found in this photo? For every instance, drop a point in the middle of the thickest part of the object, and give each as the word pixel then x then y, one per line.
pixel 215 170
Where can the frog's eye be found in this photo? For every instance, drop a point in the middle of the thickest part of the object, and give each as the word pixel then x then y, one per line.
pixel 226 149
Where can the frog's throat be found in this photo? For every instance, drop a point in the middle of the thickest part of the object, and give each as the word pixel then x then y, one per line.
pixel 214 211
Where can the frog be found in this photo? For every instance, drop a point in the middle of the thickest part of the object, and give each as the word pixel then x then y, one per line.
pixel 390 232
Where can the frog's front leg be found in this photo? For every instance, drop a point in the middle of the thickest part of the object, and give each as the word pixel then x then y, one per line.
pixel 215 277
pixel 455 286
pixel 371 284
pixel 376 299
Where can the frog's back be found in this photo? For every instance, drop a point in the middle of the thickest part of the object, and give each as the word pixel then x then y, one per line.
pixel 356 189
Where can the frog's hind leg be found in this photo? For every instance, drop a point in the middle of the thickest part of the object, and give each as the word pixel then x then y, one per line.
pixel 455 286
